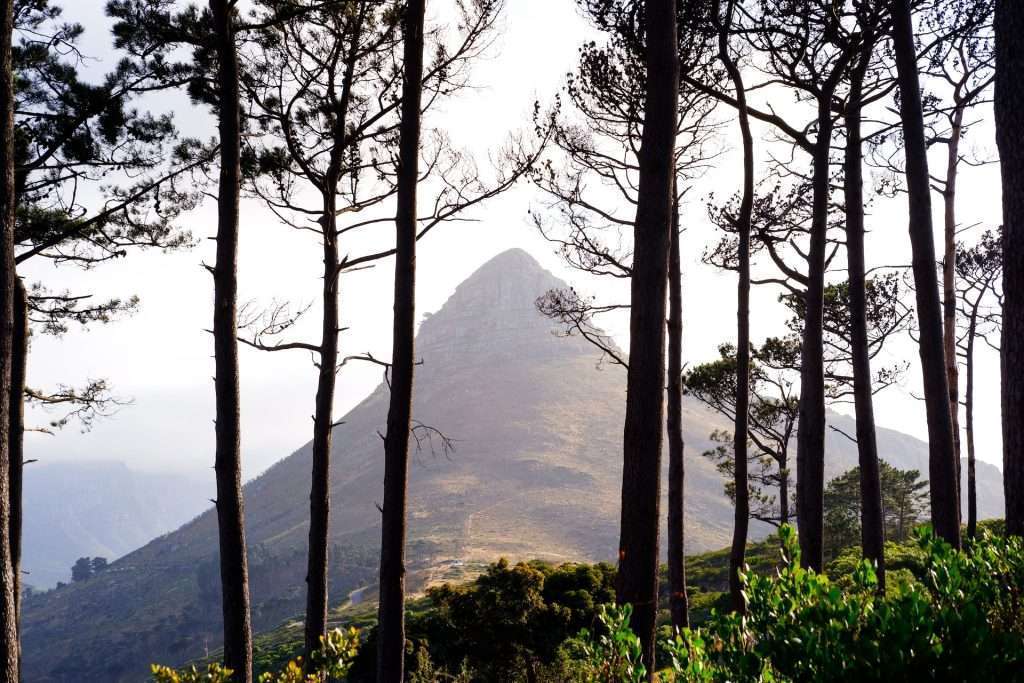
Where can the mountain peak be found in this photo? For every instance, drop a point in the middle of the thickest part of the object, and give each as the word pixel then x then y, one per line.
pixel 493 313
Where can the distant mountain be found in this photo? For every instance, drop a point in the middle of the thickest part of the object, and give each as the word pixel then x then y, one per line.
pixel 98 508
pixel 536 474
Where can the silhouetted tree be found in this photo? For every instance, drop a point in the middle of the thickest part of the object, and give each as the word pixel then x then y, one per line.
pixel 741 221
pixel 904 500
pixel 82 569
pixel 391 611
pixel 598 154
pixel 644 424
pixel 942 459
pixel 979 297
pixel 960 62
pixel 871 525
pixel 234 567
pixel 772 414
pixel 1009 108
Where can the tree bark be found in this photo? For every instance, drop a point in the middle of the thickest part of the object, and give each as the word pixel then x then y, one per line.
pixel 1009 108
pixel 942 465
pixel 741 516
pixel 645 394
pixel 323 426
pixel 810 433
pixel 9 643
pixel 678 602
pixel 391 615
pixel 234 569
pixel 16 433
pixel 972 486
pixel 872 523
pixel 949 299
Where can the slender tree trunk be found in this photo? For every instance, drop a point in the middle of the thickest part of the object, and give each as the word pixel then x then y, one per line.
pixel 783 491
pixel 645 394
pixel 323 426
pixel 949 289
pixel 810 435
pixel 1009 107
pixel 318 556
pixel 16 433
pixel 234 569
pixel 972 486
pixel 391 615
pixel 872 524
pixel 741 513
pixel 678 602
pixel 942 458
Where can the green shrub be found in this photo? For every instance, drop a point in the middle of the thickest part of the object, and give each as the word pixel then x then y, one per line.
pixel 332 661
pixel 961 619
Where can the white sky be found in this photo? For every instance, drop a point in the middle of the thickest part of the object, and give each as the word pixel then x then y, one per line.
pixel 161 357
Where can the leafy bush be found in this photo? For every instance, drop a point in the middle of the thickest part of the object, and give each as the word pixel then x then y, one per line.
pixel 507 624
pixel 963 619
pixel 610 655
pixel 332 660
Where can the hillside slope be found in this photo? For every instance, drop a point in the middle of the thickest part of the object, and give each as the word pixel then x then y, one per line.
pixel 98 508
pixel 536 474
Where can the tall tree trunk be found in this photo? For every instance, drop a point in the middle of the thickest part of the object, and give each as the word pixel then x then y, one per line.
pixel 1009 107
pixel 323 426
pixel 645 382
pixel 9 643
pixel 318 556
pixel 972 485
pixel 810 434
pixel 872 524
pixel 391 615
pixel 234 569
pixel 941 456
pixel 741 513
pixel 678 603
pixel 16 433
pixel 949 287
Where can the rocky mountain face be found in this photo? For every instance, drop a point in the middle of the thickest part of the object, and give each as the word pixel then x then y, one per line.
pixel 535 473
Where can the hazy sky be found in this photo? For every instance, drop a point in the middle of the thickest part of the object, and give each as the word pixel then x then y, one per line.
pixel 160 357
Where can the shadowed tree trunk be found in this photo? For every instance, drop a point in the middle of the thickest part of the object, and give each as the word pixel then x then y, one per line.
pixel 1009 107
pixel 678 602
pixel 645 382
pixel 810 430
pixel 9 672
pixel 391 615
pixel 872 523
pixel 16 434
pixel 234 569
pixel 741 519
pixel 323 417
pixel 972 483
pixel 317 559
pixel 942 467
pixel 949 287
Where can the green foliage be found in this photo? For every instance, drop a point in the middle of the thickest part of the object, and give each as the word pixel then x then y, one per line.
pixel 961 621
pixel 904 500
pixel 508 623
pixel 613 653
pixel 332 661
pixel 214 673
